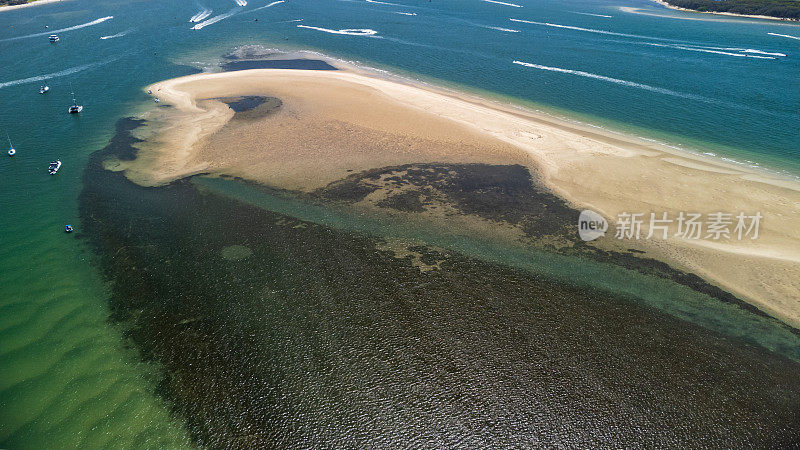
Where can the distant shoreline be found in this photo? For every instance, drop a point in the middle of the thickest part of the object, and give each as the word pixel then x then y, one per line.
pixel 25 5
pixel 720 13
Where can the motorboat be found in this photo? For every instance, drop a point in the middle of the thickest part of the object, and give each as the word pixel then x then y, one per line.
pixel 11 151
pixel 54 166
pixel 68 229
pixel 54 38
pixel 44 89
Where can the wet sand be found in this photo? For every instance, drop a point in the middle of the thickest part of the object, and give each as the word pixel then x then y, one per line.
pixel 334 123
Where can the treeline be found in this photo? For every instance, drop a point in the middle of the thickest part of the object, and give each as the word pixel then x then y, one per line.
pixel 785 9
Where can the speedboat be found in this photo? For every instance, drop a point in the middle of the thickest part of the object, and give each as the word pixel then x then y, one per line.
pixel 44 89
pixel 68 228
pixel 53 38
pixel 54 166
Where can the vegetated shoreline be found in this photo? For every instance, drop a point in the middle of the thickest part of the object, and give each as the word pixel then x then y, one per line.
pixel 7 6
pixel 724 13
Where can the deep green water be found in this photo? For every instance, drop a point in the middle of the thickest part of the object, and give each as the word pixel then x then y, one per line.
pixel 68 375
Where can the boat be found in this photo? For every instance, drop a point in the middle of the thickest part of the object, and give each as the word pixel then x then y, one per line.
pixel 54 166
pixel 75 108
pixel 11 151
pixel 68 228
pixel 44 89
pixel 156 100
pixel 54 38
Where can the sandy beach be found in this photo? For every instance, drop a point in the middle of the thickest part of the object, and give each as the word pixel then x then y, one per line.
pixel 25 5
pixel 721 13
pixel 334 123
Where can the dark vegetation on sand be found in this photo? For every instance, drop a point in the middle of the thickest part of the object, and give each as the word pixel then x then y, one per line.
pixel 275 332
pixel 784 9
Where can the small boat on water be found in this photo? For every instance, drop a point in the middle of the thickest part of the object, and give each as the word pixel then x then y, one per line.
pixel 44 89
pixel 68 228
pixel 11 151
pixel 75 108
pixel 54 38
pixel 54 166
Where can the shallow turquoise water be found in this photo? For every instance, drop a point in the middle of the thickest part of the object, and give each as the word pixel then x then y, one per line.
pixel 685 82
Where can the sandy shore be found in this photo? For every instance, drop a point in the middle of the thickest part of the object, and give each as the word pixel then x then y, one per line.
pixel 333 123
pixel 30 3
pixel 722 13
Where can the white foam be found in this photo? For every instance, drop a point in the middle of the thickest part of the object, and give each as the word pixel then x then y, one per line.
pixel 267 6
pixel 503 3
pixel 347 31
pixel 215 19
pixel 590 14
pixel 750 50
pixel 612 80
pixel 241 2
pixel 48 76
pixel 589 30
pixel 404 13
pixel 507 30
pixel 201 15
pixel 384 3
pixel 62 30
pixel 784 35
pixel 120 34
pixel 743 53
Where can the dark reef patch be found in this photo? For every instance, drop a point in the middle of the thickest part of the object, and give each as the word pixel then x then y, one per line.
pixel 508 194
pixel 320 338
pixel 299 63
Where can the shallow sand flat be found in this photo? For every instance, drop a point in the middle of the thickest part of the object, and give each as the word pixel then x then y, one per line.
pixel 333 123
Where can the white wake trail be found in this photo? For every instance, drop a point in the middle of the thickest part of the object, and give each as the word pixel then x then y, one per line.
pixel 199 17
pixel 784 35
pixel 347 31
pixel 503 3
pixel 62 30
pixel 613 80
pixel 590 14
pixel 215 19
pixel 48 76
pixel 120 34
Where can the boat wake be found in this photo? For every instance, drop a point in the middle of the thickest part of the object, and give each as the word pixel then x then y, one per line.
pixel 403 13
pixel 784 35
pixel 62 30
pixel 348 31
pixel 267 6
pixel 674 43
pixel 595 76
pixel 241 2
pixel 116 35
pixel 215 19
pixel 48 76
pixel 503 3
pixel 199 17
pixel 593 15
pixel 507 30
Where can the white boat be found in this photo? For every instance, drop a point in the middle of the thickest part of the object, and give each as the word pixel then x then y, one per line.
pixel 54 166
pixel 53 38
pixel 11 151
pixel 44 89
pixel 75 108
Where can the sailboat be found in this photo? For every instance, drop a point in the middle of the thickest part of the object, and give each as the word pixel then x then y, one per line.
pixel 11 151
pixel 75 108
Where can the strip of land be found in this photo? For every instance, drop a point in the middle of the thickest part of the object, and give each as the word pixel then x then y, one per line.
pixel 333 123
pixel 776 10
pixel 9 5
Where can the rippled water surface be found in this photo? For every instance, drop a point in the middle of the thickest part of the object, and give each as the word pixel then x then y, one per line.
pixel 197 314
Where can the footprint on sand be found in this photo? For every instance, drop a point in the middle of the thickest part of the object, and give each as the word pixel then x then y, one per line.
pixel 235 252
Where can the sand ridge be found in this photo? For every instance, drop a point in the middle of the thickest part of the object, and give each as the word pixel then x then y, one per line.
pixel 335 122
